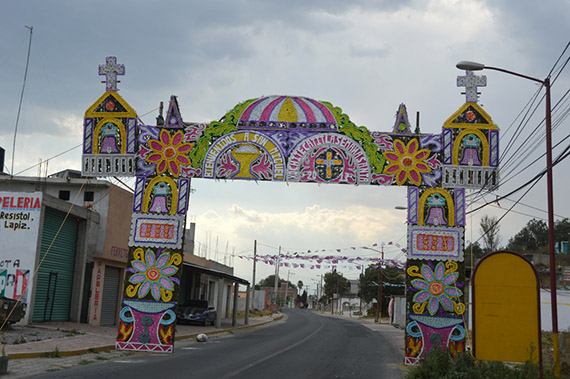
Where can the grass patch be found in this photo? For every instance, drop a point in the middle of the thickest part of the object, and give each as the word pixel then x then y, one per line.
pixel 101 358
pixel 72 332
pixel 440 364
pixel 84 362
pixel 92 351
pixel 51 354
pixel 21 339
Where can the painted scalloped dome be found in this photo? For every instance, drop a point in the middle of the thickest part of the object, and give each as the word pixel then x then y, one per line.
pixel 287 111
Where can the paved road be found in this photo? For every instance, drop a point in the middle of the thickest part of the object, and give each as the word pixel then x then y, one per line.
pixel 303 345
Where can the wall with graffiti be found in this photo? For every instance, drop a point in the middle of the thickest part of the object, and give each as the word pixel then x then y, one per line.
pixel 19 229
pixel 292 139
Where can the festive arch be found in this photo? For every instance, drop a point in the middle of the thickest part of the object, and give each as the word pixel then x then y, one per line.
pixel 292 138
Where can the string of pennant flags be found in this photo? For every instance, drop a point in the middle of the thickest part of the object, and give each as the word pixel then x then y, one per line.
pixel 313 260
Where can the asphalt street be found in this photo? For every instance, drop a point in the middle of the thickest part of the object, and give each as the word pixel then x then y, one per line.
pixel 304 344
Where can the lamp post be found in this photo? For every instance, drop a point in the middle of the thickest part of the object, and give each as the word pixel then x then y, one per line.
pixel 473 66
pixel 380 281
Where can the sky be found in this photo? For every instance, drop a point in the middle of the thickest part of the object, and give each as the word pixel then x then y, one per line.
pixel 363 56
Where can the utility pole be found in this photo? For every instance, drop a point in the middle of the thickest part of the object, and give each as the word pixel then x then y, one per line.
pixel 360 294
pixel 340 300
pixel 277 274
pixel 287 288
pixel 253 279
pixel 380 285
pixel 322 291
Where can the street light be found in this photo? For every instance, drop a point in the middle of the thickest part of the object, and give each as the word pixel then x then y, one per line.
pixel 380 280
pixel 474 66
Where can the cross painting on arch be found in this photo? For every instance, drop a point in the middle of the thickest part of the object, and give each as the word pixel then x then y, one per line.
pixel 291 139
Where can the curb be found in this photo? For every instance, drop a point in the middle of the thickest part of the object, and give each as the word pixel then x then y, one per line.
pixel 52 354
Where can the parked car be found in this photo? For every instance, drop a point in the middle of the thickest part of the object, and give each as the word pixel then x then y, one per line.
pixel 199 311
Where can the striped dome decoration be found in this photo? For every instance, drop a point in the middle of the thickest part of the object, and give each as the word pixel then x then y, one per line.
pixel 287 111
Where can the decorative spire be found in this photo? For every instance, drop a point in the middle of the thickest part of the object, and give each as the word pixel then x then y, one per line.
pixel 471 81
pixel 111 69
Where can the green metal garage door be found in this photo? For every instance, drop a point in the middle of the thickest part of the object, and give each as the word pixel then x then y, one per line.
pixel 55 275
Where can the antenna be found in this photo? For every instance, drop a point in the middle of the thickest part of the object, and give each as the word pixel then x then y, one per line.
pixel 21 98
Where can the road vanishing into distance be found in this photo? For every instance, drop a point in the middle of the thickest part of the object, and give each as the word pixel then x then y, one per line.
pixel 304 344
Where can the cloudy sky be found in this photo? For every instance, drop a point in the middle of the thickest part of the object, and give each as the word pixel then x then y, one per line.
pixel 364 56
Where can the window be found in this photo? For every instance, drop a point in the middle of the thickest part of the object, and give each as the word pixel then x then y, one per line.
pixel 64 195
pixel 88 196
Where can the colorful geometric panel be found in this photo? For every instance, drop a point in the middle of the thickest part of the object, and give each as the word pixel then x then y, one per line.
pixel 88 135
pixel 157 230
pixel 287 112
pixel 413 204
pixel 329 158
pixel 183 192
pixel 146 326
pixel 244 155
pixel 459 194
pixel 173 118
pixel 411 165
pixel 436 207
pixel 435 243
pixel 402 124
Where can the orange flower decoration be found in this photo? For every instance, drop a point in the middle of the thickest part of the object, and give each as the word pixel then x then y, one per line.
pixel 168 153
pixel 407 162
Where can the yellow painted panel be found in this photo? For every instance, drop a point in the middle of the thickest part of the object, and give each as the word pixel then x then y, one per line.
pixel 506 305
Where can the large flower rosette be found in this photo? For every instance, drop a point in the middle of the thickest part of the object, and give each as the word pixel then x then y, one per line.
pixel 153 275
pixel 436 288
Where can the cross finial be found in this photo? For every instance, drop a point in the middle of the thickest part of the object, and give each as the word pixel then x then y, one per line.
pixel 111 69
pixel 471 81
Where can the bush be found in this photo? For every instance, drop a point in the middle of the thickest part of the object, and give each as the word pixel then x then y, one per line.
pixel 440 364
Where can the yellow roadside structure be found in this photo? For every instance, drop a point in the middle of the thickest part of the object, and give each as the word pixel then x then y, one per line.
pixel 506 309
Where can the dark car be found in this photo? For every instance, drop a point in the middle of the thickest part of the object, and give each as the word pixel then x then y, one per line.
pixel 199 311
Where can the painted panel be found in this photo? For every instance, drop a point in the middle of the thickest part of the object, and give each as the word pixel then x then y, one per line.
pixel 435 243
pixel 157 231
pixel 506 309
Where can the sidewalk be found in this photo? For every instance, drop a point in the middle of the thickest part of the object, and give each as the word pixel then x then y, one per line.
pixel 84 338
pixel 85 344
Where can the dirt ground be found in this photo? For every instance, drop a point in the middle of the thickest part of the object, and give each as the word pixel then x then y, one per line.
pixel 13 335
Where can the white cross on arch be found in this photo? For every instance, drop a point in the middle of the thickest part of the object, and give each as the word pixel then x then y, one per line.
pixel 111 69
pixel 471 81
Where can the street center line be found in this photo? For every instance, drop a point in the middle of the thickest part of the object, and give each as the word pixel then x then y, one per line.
pixel 238 371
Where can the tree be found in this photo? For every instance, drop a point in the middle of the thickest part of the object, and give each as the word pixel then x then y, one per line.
pixel 270 282
pixel 334 282
pixel 533 238
pixel 392 277
pixel 489 228
pixel 477 252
